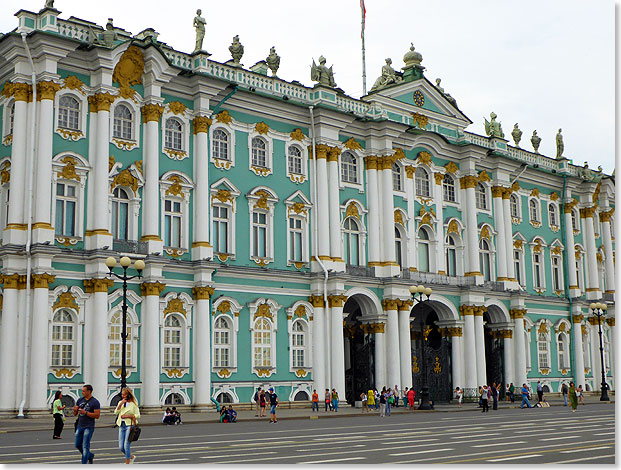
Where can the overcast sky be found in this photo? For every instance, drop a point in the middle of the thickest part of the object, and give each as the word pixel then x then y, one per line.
pixel 544 64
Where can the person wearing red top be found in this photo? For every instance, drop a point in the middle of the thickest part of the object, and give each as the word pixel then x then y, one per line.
pixel 315 401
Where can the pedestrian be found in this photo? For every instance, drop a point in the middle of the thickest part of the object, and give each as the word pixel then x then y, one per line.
pixel 390 400
pixel 564 391
pixel 484 397
pixel 315 401
pixel 257 404
pixel 495 394
pixel 507 393
pixel 328 399
pixel 363 399
pixel 232 414
pixel 539 391
pixel 512 392
pixel 273 405
pixel 335 400
pixel 377 398
pixel 262 403
pixel 525 397
pixel 411 397
pixel 580 395
pixel 480 400
pixel 57 412
pixel 397 394
pixel 370 398
pixel 88 409
pixel 128 412
pixel 459 393
pixel 404 395
pixel 573 397
pixel 382 402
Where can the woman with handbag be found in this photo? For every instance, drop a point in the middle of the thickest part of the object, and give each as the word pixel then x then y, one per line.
pixel 57 412
pixel 128 412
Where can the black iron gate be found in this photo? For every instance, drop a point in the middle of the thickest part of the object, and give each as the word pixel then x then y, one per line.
pixel 438 369
pixel 360 376
pixel 494 353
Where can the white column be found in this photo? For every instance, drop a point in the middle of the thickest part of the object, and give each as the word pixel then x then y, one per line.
pixel 87 340
pixel 409 187
pixel 19 347
pixel 151 343
pixel 201 248
pixel 611 324
pixel 380 355
pixel 99 346
pixel 202 346
pixel 318 343
pixel 470 357
pixel 338 348
pixel 373 218
pixel 508 356
pixel 570 252
pixel 90 187
pixel 468 184
pixel 43 231
pixel 440 257
pixel 577 345
pixel 479 339
pixel 405 344
pixel 520 346
pixel 506 209
pixel 609 266
pixel 392 343
pixel 593 290
pixel 151 114
pixel 499 224
pixel 37 388
pixel 323 223
pixel 8 343
pixel 388 213
pixel 457 357
pixel 334 204
pixel 596 363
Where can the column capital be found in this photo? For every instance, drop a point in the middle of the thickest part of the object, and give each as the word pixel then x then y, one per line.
pixel 97 285
pixel 199 292
pixel 18 91
pixel 605 216
pixel 336 300
pixel 375 327
pixel 479 310
pixel 452 331
pixel 405 305
pixel 201 124
pixel 578 318
pixel 466 310
pixel 333 154
pixel 10 281
pixel 317 301
pixel 506 193
pixel 439 177
pixel 152 112
pixel 100 102
pixel 517 313
pixel 390 304
pixel 569 206
pixel 151 288
pixel 322 151
pixel 502 333
pixel 371 162
pixel 588 212
pixel 46 90
pixel 409 171
pixel 498 191
pixel 468 181
pixel 42 281
pixel 610 321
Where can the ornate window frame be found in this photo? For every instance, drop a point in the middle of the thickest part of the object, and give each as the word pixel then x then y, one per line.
pixel 262 199
pixel 267 139
pixel 7 129
pixel 177 187
pixel 401 228
pixel 446 185
pixel 534 211
pixel 563 327
pixel 515 200
pixel 580 253
pixel 131 180
pixel 491 251
pixel 301 312
pixel 71 134
pixel 458 246
pixel 230 132
pixel 179 304
pixel 359 167
pixel 181 117
pixel 264 308
pixel 432 243
pixel 554 227
pixel 538 249
pixel 303 147
pixel 428 174
pixel 126 144
pixel 5 183
pixel 398 176
pixel 556 255
pixel 298 207
pixel 114 306
pixel 482 193
pixel 225 194
pixel 543 331
pixel 576 226
pixel 70 168
pixel 228 308
pixel 518 247
pixel 354 208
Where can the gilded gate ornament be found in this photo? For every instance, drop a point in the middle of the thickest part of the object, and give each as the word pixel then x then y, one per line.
pixel 415 367
pixel 437 368
pixel 128 71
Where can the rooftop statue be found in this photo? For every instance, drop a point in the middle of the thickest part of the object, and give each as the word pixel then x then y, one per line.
pixel 446 95
pixel 516 133
pixel 535 140
pixel 237 51
pixel 273 61
pixel 109 35
pixel 322 74
pixel 49 3
pixel 389 76
pixel 589 175
pixel 493 128
pixel 560 146
pixel 199 26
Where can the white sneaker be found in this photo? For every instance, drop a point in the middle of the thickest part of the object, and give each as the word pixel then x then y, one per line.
pixel 132 459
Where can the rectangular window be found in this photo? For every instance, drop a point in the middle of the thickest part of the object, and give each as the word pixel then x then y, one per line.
pixel 66 202
pixel 543 355
pixel 517 266
pixel 556 273
pixel 451 262
pixel 119 220
pixel 538 281
pixel 220 229
pixel 172 223
pixel 295 239
pixel 259 234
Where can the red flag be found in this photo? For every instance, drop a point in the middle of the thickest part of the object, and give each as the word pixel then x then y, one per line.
pixel 364 15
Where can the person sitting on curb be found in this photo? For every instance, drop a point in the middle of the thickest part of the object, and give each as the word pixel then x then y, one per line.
pixel 169 417
pixel 232 414
pixel 176 415
pixel 224 415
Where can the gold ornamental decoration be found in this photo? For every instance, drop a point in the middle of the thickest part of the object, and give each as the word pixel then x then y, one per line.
pixel 97 285
pixel 42 281
pixel 19 91
pixel 224 117
pixel 554 196
pixel 595 195
pixel 151 288
pixel 605 216
pixel 468 181
pixel 316 301
pixel 453 227
pixel 451 167
pixel 261 128
pixel 5 173
pixel 427 332
pixel 175 188
pixel 100 102
pixel 556 250
pixel 125 178
pixel 300 312
pixel 73 83
pixel 298 208
pixel 437 368
pixel 485 233
pixel 543 328
pixel 68 172
pixel 223 195
pixel 176 107
pixel 352 211
pixel 297 134
pixel 399 217
pixel 301 373
pixel 336 300
pixel 224 307
pixel 110 163
pixel 263 311
pixel 333 154
pixel 264 372
pixel 569 206
pixel 66 300
pixel 262 201
pixel 351 144
pixel 46 90
pixel 202 292
pixel 128 71
pixel 535 193
pixel 175 306
pixel 152 112
pixel 483 176
pixel 174 372
pixel 424 157
pixel 517 313
pixel 64 373
pixel 224 373
pixel 415 368
pixel 518 243
pixel 201 124
pixel 420 120
pixel 390 304
pixel 439 177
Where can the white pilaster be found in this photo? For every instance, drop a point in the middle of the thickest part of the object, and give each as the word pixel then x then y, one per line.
pixel 596 363
pixel 479 339
pixel 440 257
pixel 457 358
pixel 499 224
pixel 151 114
pixel 506 209
pixel 405 344
pixel 388 219
pixel 570 252
pixel 99 346
pixel 593 290
pixel 323 208
pixel 201 246
pixel 373 218
pixel 577 345
pixel 151 343
pixel 202 346
pixel 392 343
pixel 319 344
pixel 338 346
pixel 334 205
pixel 37 388
pixel 468 183
pixel 380 356
pixel 409 187
pixel 509 359
pixel 470 357
pixel 8 343
pixel 609 266
pixel 520 346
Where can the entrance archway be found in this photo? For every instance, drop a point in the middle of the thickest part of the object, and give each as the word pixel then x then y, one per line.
pixel 493 319
pixel 359 346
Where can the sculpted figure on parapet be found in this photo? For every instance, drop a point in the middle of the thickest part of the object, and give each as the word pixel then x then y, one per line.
pixel 322 74
pixel 389 76
pixel 493 128
pixel 199 26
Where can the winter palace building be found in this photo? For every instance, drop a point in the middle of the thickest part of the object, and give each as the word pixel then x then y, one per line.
pixel 282 227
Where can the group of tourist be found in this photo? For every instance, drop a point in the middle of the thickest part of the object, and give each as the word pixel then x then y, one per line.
pixel 261 398
pixel 171 416
pixel 387 399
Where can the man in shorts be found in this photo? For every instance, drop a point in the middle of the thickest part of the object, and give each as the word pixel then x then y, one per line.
pixel 273 405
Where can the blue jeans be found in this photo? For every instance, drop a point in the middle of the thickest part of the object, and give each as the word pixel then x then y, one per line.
pixel 388 406
pixel 124 444
pixel 565 398
pixel 83 442
pixel 525 400
pixel 315 406
pixel 335 405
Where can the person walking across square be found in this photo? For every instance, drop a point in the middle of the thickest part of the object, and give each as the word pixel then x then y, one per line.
pixel 484 397
pixel 564 391
pixel 273 405
pixel 371 398
pixel 328 400
pixel 315 401
pixel 88 410
pixel 539 391
pixel 335 400
pixel 127 413
pixel 257 401
pixel 573 397
pixel 57 412
pixel 525 396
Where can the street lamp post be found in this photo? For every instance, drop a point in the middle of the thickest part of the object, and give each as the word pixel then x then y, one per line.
pixel 125 263
pixel 417 293
pixel 599 310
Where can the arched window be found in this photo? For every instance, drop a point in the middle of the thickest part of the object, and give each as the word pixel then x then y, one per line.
pixel 262 353
pixel 221 145
pixel 533 210
pixel 518 264
pixel 173 341
pixel 294 160
pixel 298 344
pixel 552 214
pixel 485 259
pixel 301 396
pixel 296 239
pixel 563 351
pixel 349 168
pixel 69 113
pixel 222 342
pixel 224 398
pixel 399 245
pixel 259 233
pixel 115 329
pixel 396 177
pixel 174 399
pixel 352 241
pixel 543 351
pixel 120 214
pixel 259 154
pixel 123 123
pixel 422 182
pixel 481 197
pixel 448 188
pixel 64 337
pixel 514 204
pixel 574 221
pixel 173 136
pixel 451 256
pixel 423 250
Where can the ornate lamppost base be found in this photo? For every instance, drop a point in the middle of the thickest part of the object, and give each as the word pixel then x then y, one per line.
pixel 424 399
pixel 604 396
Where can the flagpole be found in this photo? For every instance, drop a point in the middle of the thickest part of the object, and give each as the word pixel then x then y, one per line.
pixel 364 65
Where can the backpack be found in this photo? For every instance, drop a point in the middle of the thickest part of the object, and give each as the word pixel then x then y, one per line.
pixel 256 396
